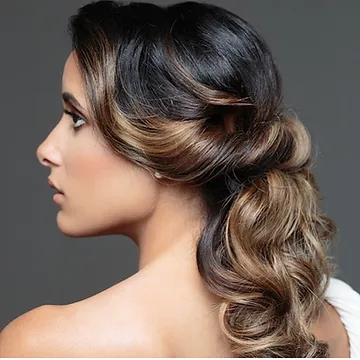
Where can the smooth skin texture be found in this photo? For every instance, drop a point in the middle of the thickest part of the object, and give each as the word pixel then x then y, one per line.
pixel 164 310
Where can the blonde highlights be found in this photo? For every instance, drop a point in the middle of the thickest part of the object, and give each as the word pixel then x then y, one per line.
pixel 191 91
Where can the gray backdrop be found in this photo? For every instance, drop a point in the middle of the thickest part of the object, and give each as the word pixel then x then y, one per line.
pixel 316 46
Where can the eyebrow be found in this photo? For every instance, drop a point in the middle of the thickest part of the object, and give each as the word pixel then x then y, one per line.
pixel 71 100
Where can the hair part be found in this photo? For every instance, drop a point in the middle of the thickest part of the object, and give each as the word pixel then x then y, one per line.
pixel 191 91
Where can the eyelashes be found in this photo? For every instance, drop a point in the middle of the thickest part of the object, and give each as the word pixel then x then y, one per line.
pixel 75 118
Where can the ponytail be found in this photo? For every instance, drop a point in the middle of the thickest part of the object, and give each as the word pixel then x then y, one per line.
pixel 189 90
pixel 270 265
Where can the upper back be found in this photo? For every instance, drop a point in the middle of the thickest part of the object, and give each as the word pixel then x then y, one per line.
pixel 131 319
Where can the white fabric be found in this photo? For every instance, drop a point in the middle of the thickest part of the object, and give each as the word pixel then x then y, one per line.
pixel 347 303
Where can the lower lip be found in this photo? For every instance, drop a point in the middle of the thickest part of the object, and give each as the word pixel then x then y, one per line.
pixel 58 196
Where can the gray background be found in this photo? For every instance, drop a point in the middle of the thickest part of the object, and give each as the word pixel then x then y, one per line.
pixel 316 46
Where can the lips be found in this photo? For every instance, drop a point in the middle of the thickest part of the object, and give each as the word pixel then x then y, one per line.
pixel 54 187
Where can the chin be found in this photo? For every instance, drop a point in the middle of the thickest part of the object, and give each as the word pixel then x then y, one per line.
pixel 72 229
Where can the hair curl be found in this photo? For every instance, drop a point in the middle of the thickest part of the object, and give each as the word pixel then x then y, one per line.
pixel 191 91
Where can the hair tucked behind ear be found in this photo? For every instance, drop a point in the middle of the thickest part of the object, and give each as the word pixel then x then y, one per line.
pixel 191 91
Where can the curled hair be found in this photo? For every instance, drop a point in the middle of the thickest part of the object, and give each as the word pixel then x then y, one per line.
pixel 191 91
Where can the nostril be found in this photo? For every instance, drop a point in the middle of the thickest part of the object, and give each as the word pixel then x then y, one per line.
pixel 45 162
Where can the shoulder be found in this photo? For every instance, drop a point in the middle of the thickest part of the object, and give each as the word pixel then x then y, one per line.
pixel 71 331
pixel 21 336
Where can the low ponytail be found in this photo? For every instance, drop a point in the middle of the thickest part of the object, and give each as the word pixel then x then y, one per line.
pixel 192 91
pixel 270 265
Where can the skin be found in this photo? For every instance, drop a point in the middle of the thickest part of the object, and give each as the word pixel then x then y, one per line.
pixel 106 194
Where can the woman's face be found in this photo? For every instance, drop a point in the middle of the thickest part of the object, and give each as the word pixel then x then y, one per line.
pixel 103 192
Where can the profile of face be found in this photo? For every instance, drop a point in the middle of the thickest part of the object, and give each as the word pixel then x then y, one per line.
pixel 103 193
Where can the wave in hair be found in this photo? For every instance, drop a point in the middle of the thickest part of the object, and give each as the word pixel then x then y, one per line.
pixel 191 91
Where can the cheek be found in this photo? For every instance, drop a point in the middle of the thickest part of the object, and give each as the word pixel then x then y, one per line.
pixel 105 192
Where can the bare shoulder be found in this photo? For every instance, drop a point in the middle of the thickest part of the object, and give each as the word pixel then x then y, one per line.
pixel 29 333
pixel 83 329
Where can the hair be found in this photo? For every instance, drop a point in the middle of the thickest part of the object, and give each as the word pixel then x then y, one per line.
pixel 192 91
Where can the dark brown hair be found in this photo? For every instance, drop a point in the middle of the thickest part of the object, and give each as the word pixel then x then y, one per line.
pixel 191 91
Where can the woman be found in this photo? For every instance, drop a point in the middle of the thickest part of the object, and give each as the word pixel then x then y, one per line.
pixel 174 134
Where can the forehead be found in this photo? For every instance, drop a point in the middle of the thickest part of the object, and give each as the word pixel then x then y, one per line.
pixel 72 81
pixel 71 74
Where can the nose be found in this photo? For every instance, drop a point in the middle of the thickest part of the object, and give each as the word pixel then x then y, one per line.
pixel 48 152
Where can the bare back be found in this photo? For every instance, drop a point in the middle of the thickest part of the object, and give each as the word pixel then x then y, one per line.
pixel 185 319
pixel 154 313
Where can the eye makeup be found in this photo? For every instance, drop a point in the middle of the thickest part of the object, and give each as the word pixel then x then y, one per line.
pixel 75 118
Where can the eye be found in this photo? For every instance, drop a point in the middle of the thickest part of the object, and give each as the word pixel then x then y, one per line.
pixel 75 118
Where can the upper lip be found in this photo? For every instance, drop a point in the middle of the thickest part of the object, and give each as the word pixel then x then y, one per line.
pixel 54 186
